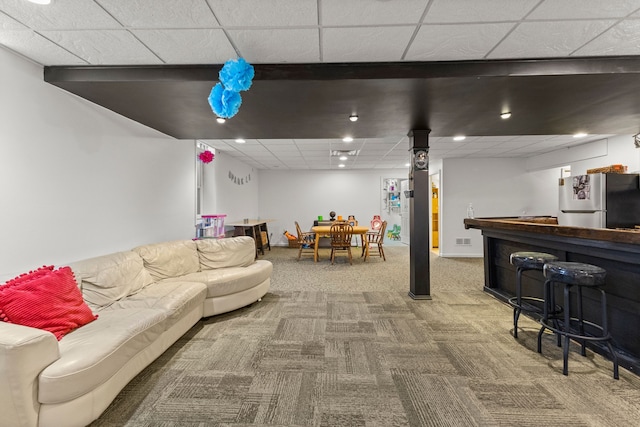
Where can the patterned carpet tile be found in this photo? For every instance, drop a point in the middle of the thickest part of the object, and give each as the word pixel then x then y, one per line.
pixel 335 346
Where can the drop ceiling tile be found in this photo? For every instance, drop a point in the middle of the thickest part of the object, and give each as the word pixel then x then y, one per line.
pixel 326 141
pixel 314 149
pixel 248 148
pixel 365 43
pixel 283 149
pixel 161 13
pixel 280 144
pixel 188 46
pixel 375 151
pixel 217 144
pixel 59 15
pixel 508 155
pixel 584 9
pixel 622 39
pixel 260 13
pixel 494 150
pixel 104 47
pixel 287 155
pixel 533 138
pixel 367 12
pixel 501 138
pixel 38 48
pixel 455 42
pixel 8 23
pixel 478 11
pixel 549 39
pixel 280 45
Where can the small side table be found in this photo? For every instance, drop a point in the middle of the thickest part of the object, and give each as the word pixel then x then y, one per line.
pixel 253 228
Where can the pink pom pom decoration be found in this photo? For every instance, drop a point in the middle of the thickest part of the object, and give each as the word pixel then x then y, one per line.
pixel 206 156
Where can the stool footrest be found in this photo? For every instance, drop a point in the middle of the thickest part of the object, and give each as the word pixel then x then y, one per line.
pixel 573 333
pixel 526 304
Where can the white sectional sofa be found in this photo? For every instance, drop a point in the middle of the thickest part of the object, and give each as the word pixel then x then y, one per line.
pixel 145 300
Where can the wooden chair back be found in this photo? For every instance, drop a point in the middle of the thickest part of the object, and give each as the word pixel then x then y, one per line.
pixel 341 235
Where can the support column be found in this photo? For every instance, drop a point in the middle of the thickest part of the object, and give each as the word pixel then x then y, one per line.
pixel 420 197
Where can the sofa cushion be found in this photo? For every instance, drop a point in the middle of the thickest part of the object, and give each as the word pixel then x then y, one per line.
pixel 170 259
pixel 225 281
pixel 232 252
pixel 47 299
pixel 176 298
pixel 90 355
pixel 108 278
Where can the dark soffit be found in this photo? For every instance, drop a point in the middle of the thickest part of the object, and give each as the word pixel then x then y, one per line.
pixel 547 97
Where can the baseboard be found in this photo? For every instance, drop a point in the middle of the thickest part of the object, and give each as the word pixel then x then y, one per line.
pixel 462 255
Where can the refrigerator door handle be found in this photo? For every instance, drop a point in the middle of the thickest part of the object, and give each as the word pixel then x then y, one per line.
pixel 577 211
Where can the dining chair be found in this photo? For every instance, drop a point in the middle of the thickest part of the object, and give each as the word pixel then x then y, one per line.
pixel 341 235
pixel 375 239
pixel 306 242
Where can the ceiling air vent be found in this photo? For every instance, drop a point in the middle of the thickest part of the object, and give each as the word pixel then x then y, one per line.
pixel 338 153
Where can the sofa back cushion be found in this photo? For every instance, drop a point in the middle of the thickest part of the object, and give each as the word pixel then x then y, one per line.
pixel 108 278
pixel 170 259
pixel 232 252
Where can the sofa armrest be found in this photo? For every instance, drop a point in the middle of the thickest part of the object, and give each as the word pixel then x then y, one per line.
pixel 24 353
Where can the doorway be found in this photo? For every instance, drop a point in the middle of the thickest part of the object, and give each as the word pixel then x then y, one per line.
pixel 435 213
pixel 393 208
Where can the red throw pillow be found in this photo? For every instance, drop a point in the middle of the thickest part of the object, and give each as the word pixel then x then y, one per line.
pixel 42 271
pixel 48 300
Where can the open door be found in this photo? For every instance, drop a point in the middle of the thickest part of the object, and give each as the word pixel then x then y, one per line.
pixel 435 212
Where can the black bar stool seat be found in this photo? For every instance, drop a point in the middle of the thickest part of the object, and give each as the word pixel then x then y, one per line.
pixel 578 275
pixel 524 261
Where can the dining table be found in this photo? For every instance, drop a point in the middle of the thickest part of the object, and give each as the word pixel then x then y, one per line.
pixel 325 231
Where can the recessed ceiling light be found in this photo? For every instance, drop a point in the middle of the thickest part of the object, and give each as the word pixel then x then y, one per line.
pixel 406 165
pixel 347 139
pixel 240 141
pixel 459 138
pixel 353 117
pixel 40 1
pixel 340 165
pixel 343 158
pixel 220 120
pixel 580 135
pixel 505 115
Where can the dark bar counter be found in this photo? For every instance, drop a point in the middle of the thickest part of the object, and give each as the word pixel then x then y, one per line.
pixel 617 251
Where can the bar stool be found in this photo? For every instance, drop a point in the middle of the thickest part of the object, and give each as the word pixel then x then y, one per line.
pixel 580 275
pixel 526 261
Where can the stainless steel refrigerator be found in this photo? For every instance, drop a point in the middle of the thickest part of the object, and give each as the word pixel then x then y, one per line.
pixel 601 200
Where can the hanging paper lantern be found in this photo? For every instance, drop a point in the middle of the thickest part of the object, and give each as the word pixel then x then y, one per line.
pixel 236 75
pixel 206 156
pixel 225 103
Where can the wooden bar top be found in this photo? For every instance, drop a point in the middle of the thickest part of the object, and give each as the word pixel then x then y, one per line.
pixel 549 225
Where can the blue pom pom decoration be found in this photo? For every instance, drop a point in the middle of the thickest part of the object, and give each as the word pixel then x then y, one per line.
pixel 236 75
pixel 224 103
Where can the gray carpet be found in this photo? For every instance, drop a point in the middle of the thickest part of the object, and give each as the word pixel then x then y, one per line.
pixel 341 345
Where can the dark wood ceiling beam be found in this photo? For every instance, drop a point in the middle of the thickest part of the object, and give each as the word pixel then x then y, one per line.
pixel 377 70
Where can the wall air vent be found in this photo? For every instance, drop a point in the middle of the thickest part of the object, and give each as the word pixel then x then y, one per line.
pixel 463 241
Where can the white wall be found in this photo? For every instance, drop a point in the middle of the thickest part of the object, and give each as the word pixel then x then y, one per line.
pixel 619 150
pixel 231 188
pixel 513 187
pixel 605 152
pixel 77 180
pixel 288 196
pixel 496 188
